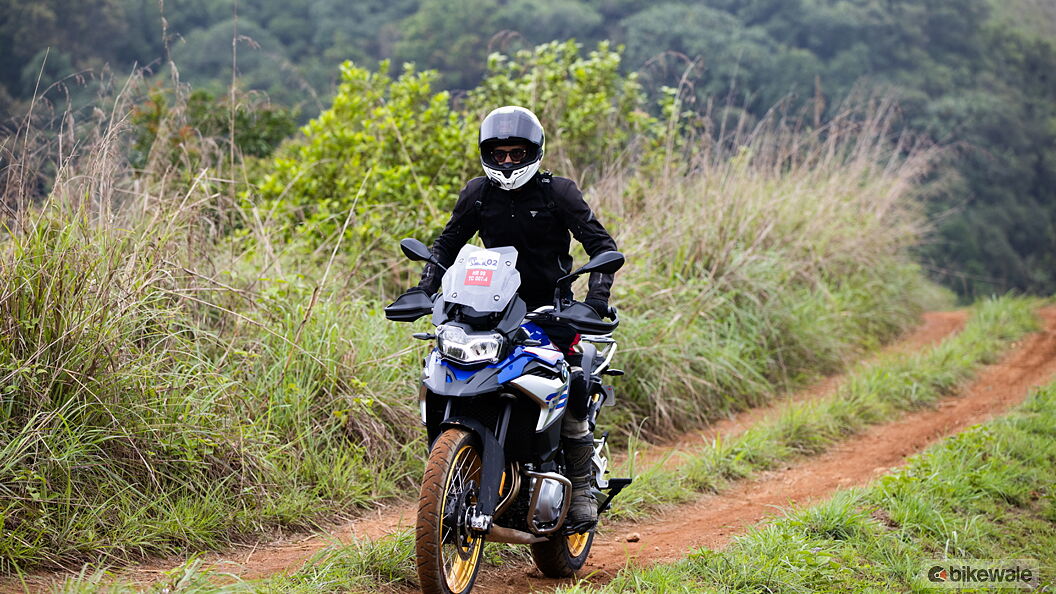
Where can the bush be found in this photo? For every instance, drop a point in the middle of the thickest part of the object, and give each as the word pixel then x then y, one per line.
pixel 385 156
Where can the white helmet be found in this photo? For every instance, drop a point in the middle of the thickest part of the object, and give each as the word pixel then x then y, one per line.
pixel 511 125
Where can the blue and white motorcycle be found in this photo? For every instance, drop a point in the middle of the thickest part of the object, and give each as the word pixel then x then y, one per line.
pixel 492 398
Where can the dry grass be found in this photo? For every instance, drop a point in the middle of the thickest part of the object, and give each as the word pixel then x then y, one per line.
pixel 175 378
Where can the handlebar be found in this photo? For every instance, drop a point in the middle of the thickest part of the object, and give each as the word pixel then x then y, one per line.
pixel 581 324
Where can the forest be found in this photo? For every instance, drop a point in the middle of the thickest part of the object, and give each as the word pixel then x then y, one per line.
pixel 976 77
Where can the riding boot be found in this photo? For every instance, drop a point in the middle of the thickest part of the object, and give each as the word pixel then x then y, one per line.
pixel 583 512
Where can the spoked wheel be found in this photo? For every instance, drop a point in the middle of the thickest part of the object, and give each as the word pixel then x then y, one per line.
pixel 563 555
pixel 448 552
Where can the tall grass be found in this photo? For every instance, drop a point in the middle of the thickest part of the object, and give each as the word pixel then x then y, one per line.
pixel 987 493
pixel 763 256
pixel 151 402
pixel 173 378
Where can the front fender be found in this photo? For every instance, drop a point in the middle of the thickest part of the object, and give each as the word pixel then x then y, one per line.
pixel 493 463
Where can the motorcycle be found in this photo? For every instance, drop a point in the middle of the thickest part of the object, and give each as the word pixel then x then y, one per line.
pixel 492 398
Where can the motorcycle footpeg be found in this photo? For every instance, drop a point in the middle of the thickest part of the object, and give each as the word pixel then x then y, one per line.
pixel 579 528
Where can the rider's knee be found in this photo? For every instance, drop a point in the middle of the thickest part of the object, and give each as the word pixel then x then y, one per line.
pixel 572 428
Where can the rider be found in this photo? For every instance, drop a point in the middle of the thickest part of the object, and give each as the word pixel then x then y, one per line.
pixel 515 205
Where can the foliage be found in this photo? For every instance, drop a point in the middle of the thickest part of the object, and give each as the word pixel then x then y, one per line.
pixel 205 123
pixel 394 155
pixel 381 157
pixel 84 30
pixel 149 407
pixel 178 385
pixel 970 75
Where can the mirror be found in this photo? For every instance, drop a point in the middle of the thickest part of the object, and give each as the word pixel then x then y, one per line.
pixel 415 250
pixel 605 262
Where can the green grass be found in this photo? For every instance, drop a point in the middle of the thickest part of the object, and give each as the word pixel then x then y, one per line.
pixel 133 426
pixel 987 493
pixel 362 566
pixel 871 394
pixel 175 377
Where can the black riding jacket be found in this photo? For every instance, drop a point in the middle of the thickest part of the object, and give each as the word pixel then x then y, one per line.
pixel 535 219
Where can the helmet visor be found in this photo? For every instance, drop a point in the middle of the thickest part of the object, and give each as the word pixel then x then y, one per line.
pixel 514 124
pixel 508 158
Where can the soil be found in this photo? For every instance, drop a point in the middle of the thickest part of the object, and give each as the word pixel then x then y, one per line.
pixel 934 327
pixel 712 520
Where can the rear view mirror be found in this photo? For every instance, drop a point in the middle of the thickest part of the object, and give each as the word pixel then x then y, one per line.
pixel 415 250
pixel 605 262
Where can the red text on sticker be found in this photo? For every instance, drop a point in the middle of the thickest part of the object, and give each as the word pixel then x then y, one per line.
pixel 478 277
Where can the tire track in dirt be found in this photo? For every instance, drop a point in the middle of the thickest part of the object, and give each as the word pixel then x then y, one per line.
pixel 933 329
pixel 288 554
pixel 713 520
pixel 935 326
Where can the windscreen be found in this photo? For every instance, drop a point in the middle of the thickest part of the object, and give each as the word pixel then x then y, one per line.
pixel 484 279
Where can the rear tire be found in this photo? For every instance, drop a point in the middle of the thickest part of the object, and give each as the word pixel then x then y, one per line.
pixel 448 553
pixel 563 555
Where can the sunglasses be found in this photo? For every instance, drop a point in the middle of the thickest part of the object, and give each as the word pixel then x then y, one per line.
pixel 517 154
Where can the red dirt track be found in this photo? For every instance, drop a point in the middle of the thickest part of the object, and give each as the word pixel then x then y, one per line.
pixel 713 520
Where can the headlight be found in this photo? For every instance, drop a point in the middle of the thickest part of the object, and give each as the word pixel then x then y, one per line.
pixel 454 343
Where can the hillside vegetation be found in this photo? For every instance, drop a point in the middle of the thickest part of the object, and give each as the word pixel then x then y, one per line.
pixel 972 75
pixel 187 359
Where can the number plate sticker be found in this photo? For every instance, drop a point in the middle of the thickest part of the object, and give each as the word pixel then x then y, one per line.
pixel 480 268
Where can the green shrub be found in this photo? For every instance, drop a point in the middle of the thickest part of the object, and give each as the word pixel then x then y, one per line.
pixel 389 152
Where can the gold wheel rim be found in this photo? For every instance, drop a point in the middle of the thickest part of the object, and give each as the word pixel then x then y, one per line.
pixel 458 572
pixel 577 543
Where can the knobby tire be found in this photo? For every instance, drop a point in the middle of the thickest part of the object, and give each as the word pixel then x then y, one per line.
pixel 448 555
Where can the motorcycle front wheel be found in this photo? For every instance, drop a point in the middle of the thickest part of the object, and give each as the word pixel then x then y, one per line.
pixel 563 555
pixel 448 553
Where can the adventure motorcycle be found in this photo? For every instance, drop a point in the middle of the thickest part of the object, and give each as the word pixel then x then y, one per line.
pixel 492 398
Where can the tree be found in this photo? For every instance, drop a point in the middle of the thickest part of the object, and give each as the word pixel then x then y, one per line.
pixel 82 31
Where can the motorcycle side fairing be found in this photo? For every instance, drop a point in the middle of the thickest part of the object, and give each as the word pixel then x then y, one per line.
pixel 538 372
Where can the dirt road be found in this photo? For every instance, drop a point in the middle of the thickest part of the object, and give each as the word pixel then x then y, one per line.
pixel 287 556
pixel 712 520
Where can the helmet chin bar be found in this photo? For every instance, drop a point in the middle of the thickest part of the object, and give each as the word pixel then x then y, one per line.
pixel 517 177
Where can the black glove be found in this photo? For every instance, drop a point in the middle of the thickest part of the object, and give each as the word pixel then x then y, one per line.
pixel 409 293
pixel 600 306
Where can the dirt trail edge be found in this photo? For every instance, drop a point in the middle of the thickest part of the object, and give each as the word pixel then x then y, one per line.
pixel 713 520
pixel 289 554
pixel 289 557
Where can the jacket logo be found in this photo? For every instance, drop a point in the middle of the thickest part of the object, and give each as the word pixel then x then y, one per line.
pixel 534 212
